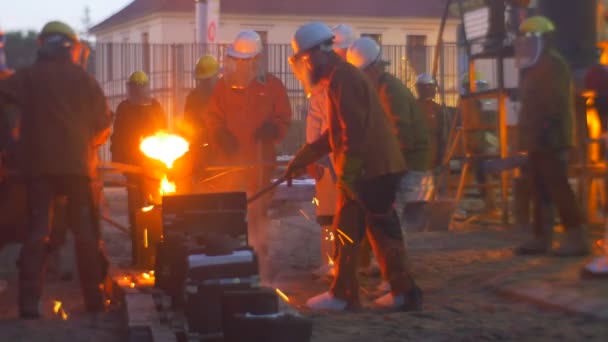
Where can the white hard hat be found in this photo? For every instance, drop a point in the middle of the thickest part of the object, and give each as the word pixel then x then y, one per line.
pixel 363 52
pixel 425 78
pixel 247 44
pixel 310 35
pixel 344 36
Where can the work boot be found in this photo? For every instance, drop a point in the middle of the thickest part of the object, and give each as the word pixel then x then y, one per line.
pixel 326 302
pixel 536 246
pixel 412 301
pixel 573 244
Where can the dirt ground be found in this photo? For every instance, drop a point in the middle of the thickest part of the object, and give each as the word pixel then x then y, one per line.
pixel 456 270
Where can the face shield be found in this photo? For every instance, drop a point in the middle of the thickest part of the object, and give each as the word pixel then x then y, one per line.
pixel 528 49
pixel 239 73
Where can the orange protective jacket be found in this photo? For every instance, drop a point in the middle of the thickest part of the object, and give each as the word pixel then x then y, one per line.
pixel 242 112
pixel 65 117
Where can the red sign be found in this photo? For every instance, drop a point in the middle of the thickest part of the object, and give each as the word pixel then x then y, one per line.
pixel 211 32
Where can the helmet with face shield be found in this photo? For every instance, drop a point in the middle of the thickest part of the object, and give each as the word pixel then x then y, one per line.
pixel 242 64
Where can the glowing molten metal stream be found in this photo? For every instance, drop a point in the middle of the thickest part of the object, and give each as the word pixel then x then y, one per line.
pixel 166 148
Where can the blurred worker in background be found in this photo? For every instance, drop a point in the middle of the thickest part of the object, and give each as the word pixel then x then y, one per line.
pixel 206 73
pixel 411 129
pixel 5 71
pixel 249 115
pixel 368 166
pixel 344 37
pixel 426 87
pixel 547 133
pixel 65 118
pixel 137 117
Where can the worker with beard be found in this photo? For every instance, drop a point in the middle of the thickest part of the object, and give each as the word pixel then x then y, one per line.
pixel 249 115
pixel 369 166
pixel 190 167
pixel 65 118
pixel 137 117
pixel 547 134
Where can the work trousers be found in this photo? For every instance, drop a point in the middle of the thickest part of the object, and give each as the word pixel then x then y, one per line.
pixel 549 175
pixel 372 213
pixel 83 220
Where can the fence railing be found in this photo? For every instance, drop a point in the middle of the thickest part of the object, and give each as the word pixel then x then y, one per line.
pixel 171 68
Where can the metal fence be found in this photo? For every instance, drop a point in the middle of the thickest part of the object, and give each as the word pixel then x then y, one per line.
pixel 171 68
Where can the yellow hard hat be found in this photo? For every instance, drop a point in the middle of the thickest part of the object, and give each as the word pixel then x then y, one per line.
pixel 139 78
pixel 58 27
pixel 537 24
pixel 207 66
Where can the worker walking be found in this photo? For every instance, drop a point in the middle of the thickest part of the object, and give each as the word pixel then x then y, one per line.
pixel 249 115
pixel 546 123
pixel 137 117
pixel 411 128
pixel 65 118
pixel 368 165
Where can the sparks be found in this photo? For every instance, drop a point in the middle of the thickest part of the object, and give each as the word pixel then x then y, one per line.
pixel 145 275
pixel 344 235
pixel 146 238
pixel 165 147
pixel 282 295
pixel 305 215
pixel 330 261
pixel 151 273
pixel 341 240
pixel 59 311
pixel 56 306
pixel 315 201
pixel 147 209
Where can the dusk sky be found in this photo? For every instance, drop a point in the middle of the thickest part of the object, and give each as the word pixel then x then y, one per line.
pixel 32 14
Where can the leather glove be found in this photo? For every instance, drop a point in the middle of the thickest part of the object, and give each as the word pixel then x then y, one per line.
pixel 227 141
pixel 315 171
pixel 352 168
pixel 268 132
pixel 297 166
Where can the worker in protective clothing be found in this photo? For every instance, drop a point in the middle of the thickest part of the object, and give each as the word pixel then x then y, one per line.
pixel 426 87
pixel 546 124
pixel 369 166
pixel 65 118
pixel 206 73
pixel 5 71
pixel 137 117
pixel 249 115
pixel 410 127
pixel 344 37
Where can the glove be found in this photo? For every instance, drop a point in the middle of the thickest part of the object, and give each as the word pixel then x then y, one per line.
pixel 352 168
pixel 315 171
pixel 227 141
pixel 297 166
pixel 268 132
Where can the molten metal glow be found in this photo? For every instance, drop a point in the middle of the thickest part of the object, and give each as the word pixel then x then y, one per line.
pixel 164 147
pixel 56 306
pixel 145 275
pixel 132 285
pixel 167 187
pixel 282 295
pixel 146 238
pixel 59 311
pixel 315 201
pixel 147 209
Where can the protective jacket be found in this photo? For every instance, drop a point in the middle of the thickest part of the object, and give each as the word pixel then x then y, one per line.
pixel 65 117
pixel 242 112
pixel 134 122
pixel 435 121
pixel 408 121
pixel 547 105
pixel 358 126
pixel 195 112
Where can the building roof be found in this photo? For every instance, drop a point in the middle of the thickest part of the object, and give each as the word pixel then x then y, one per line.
pixel 348 8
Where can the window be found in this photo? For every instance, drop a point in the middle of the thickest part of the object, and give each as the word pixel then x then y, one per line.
pixel 375 36
pixel 417 52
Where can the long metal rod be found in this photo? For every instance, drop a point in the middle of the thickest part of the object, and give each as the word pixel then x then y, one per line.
pixel 266 190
